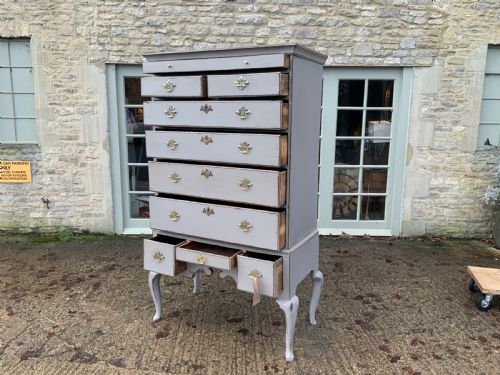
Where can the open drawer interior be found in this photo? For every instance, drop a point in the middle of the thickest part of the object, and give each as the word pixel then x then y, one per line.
pixel 211 255
pixel 267 268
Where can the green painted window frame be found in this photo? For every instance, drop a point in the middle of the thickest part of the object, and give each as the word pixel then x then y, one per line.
pixel 489 123
pixel 17 95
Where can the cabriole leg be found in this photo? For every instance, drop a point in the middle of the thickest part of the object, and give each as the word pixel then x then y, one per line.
pixel 197 282
pixel 317 277
pixel 154 286
pixel 290 308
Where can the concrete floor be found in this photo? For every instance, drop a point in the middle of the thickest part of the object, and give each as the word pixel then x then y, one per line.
pixel 83 307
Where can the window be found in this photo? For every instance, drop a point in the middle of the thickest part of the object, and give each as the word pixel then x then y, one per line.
pixel 17 99
pixel 489 126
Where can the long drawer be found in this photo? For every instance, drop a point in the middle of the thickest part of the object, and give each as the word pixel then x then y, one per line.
pixel 263 84
pixel 263 114
pixel 255 186
pixel 245 226
pixel 189 86
pixel 217 63
pixel 253 149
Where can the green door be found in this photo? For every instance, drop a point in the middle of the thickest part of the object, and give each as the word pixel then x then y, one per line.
pixel 128 150
pixel 363 143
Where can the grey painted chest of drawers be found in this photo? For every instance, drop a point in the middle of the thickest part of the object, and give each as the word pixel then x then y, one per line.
pixel 234 150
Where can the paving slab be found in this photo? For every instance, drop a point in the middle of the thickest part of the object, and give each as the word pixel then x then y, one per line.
pixel 82 306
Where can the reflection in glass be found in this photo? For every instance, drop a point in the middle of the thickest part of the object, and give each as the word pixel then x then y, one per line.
pixel 380 93
pixel 349 123
pixel 372 208
pixel 133 91
pixel 135 120
pixel 344 207
pixel 351 93
pixel 374 180
pixel 138 178
pixel 376 152
pixel 136 150
pixel 347 152
pixel 378 123
pixel 139 206
pixel 346 180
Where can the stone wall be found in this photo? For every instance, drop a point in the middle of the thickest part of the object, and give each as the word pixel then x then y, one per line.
pixel 73 40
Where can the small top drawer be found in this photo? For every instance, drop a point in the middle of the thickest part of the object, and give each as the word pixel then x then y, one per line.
pixel 209 255
pixel 259 84
pixel 159 255
pixel 192 86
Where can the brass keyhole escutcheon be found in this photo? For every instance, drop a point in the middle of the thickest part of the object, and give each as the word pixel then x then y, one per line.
pixel 244 147
pixel 170 112
pixel 168 86
pixel 158 256
pixel 208 211
pixel 174 215
pixel 245 226
pixel 243 113
pixel 201 259
pixel 241 83
pixel 172 144
pixel 207 173
pixel 245 184
pixel 175 177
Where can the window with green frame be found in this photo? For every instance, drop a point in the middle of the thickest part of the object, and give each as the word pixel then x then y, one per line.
pixel 17 98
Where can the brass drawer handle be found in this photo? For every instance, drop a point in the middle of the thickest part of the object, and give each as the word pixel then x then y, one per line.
pixel 244 147
pixel 172 144
pixel 245 184
pixel 207 173
pixel 206 108
pixel 241 83
pixel 168 86
pixel 158 256
pixel 174 215
pixel 201 259
pixel 243 113
pixel 206 140
pixel 208 211
pixel 170 112
pixel 245 226
pixel 175 177
pixel 256 274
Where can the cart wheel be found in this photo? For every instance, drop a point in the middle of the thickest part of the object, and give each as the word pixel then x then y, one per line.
pixel 483 302
pixel 473 286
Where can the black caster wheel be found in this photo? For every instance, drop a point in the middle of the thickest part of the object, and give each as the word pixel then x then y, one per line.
pixel 473 286
pixel 483 302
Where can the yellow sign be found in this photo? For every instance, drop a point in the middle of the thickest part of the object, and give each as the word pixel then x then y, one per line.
pixel 15 171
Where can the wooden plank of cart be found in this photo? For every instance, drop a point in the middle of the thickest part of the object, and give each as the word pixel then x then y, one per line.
pixel 486 281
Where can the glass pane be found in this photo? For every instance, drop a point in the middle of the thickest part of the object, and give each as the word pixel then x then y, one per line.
pixel 138 178
pixel 380 93
pixel 24 105
pixel 491 87
pixel 22 80
pixel 376 152
pixel 372 208
pixel 7 130
pixel 374 180
pixel 349 123
pixel 346 180
pixel 133 91
pixel 490 111
pixel 4 53
pixel 351 93
pixel 135 121
pixel 26 130
pixel 347 152
pixel 6 105
pixel 344 207
pixel 139 206
pixel 136 150
pixel 20 55
pixel 378 123
pixel 5 80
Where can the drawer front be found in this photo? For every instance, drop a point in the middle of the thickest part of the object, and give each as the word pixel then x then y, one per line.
pixel 270 273
pixel 159 256
pixel 262 229
pixel 212 256
pixel 261 187
pixel 252 149
pixel 220 63
pixel 172 86
pixel 221 114
pixel 265 84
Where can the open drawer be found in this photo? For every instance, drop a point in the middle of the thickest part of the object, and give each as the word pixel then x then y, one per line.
pixel 159 255
pixel 267 268
pixel 210 255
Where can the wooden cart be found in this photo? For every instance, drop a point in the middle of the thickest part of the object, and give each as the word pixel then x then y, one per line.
pixel 486 281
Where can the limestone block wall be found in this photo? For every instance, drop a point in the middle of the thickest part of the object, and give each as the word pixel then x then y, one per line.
pixel 72 41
